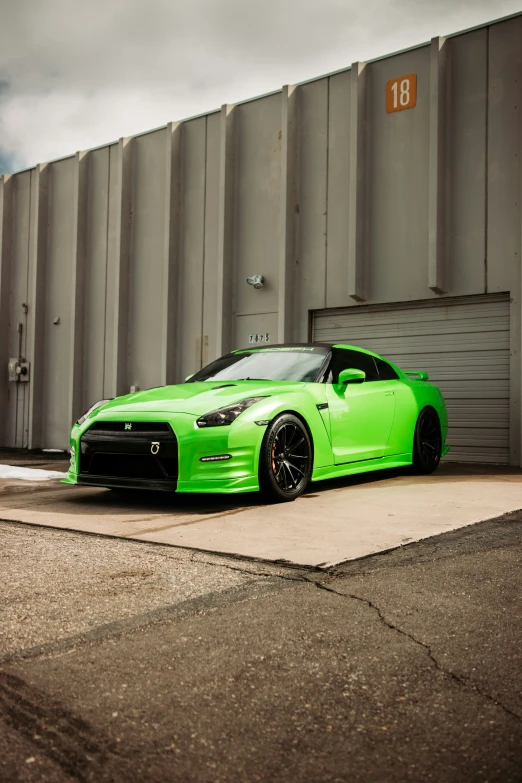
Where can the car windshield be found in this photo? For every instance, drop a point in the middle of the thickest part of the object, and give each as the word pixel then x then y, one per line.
pixel 276 364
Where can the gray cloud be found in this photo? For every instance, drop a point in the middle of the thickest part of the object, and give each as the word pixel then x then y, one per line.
pixel 79 74
pixel 9 162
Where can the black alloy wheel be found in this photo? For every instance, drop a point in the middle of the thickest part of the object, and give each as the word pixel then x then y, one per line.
pixel 285 461
pixel 427 442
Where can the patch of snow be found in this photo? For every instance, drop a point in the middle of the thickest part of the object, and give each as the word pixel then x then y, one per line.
pixel 28 474
pixel 54 451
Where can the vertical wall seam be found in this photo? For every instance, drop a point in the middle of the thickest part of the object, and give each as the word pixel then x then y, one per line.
pixel 106 267
pixel 12 212
pixel 4 332
pixel 16 418
pixel 288 217
pixel 24 346
pixel 327 192
pixel 123 288
pixel 486 172
pixel 170 307
pixel 31 305
pixel 516 297
pixel 130 285
pixel 357 251
pixel 23 341
pixel 204 248
pixel 38 421
pixel 11 284
pixel 77 327
pixel 166 256
pixel 227 219
pixel 180 247
pixel 437 261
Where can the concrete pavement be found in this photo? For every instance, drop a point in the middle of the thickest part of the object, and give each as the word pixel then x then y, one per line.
pixel 333 522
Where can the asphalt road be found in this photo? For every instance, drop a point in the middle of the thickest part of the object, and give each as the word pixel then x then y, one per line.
pixel 123 661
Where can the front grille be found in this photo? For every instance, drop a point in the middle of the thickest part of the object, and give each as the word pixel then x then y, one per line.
pixel 131 427
pixel 125 466
pixel 108 451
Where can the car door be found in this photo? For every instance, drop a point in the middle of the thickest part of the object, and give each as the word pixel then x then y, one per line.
pixel 401 435
pixel 361 414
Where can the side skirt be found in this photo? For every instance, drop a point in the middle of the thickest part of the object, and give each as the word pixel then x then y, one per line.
pixel 367 466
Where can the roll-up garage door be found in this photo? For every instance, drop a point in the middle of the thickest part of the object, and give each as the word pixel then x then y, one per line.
pixel 463 344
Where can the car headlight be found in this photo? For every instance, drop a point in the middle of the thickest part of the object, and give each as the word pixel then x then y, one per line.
pixel 91 409
pixel 228 414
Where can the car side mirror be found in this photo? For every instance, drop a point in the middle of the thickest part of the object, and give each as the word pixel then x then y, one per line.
pixel 351 375
pixel 188 377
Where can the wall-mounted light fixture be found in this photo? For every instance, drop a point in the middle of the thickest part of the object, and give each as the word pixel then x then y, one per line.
pixel 256 280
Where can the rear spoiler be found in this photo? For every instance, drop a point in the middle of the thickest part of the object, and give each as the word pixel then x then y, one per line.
pixel 416 375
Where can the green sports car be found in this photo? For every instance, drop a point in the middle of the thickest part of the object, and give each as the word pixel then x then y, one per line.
pixel 268 418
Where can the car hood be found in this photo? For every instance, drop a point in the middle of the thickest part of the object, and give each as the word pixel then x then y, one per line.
pixel 193 398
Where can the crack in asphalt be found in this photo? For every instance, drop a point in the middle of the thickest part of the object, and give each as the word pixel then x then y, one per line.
pixel 465 682
pixel 300 578
pixel 303 579
pixel 248 572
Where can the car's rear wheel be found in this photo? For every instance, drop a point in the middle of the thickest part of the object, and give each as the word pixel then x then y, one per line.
pixel 427 442
pixel 285 460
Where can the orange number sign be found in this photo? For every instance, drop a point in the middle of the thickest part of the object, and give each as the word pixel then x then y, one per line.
pixel 401 93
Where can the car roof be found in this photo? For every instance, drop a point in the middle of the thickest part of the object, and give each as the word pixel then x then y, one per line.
pixel 320 347
pixel 324 346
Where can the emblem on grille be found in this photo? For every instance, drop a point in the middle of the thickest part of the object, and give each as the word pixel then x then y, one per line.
pixel 128 426
pixel 154 447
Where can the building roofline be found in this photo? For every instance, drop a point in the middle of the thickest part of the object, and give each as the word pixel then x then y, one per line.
pixel 297 84
pixel 412 48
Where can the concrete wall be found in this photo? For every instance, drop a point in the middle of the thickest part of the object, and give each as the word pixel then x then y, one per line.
pixel 142 248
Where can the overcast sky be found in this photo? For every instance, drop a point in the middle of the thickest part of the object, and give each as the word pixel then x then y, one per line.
pixel 78 73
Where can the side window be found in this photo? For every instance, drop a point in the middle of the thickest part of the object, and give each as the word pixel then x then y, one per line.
pixel 386 373
pixel 345 359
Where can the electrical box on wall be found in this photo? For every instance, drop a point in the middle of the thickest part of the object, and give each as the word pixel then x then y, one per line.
pixel 18 371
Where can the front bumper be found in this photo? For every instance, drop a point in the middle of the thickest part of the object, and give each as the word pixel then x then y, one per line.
pixel 121 482
pixel 240 440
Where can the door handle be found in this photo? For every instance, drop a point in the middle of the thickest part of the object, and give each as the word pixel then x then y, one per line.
pixel 389 393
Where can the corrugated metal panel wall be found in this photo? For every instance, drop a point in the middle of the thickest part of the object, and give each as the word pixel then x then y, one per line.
pixel 463 344
pixel 142 248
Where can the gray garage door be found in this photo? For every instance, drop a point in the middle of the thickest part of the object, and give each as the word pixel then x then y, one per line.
pixel 464 346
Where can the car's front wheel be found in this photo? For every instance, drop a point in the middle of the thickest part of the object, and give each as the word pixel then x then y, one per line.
pixel 427 442
pixel 285 460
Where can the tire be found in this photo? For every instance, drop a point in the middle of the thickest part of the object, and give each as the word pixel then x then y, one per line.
pixel 427 442
pixel 285 459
